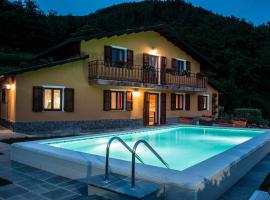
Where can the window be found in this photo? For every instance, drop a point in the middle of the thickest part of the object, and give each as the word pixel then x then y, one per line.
pixel 117 100
pixel 119 56
pixel 179 102
pixel 203 102
pixel 180 66
pixel 153 61
pixel 52 99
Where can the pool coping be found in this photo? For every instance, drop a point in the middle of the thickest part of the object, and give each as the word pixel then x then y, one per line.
pixel 195 180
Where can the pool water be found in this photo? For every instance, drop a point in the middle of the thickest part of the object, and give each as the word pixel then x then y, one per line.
pixel 181 147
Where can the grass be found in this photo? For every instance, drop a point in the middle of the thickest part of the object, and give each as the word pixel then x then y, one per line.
pixel 4 182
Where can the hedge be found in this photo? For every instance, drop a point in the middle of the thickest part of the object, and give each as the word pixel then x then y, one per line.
pixel 252 115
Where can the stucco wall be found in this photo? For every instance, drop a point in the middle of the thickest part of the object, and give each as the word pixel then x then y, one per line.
pixel 88 98
pixel 140 43
pixel 193 112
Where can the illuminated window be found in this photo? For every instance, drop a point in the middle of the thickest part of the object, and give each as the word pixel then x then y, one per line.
pixel 204 104
pixel 203 101
pixel 179 102
pixel 52 99
pixel 117 100
pixel 153 61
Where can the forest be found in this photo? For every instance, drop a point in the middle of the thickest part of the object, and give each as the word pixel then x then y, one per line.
pixel 239 50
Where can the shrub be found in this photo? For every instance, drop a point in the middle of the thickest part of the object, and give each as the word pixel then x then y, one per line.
pixel 252 115
pixel 264 122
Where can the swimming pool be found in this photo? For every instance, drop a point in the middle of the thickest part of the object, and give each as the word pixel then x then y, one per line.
pixel 190 145
pixel 204 161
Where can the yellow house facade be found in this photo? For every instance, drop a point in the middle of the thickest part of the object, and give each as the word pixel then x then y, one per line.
pixel 126 79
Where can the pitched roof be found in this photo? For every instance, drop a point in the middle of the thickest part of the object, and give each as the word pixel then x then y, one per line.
pixel 37 67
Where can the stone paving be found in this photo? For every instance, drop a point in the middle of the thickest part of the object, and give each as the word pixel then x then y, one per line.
pixel 245 187
pixel 31 183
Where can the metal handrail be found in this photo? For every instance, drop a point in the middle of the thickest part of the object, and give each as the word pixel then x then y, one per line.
pixel 133 159
pixel 108 154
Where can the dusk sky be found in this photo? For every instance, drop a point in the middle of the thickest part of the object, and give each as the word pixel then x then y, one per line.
pixel 251 10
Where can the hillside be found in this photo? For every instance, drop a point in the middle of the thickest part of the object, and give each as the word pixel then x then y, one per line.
pixel 239 50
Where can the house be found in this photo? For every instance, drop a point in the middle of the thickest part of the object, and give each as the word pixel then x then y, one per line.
pixel 130 78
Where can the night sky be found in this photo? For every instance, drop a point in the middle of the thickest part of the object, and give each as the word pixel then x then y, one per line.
pixel 251 10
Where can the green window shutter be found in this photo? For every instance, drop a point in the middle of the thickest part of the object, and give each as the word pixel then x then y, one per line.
pixel 130 58
pixel 146 109
pixel 69 100
pixel 145 60
pixel 200 102
pixel 188 68
pixel 173 101
pixel 214 104
pixel 37 105
pixel 174 61
pixel 129 101
pixel 163 70
pixel 187 102
pixel 106 100
pixel 107 55
pixel 163 109
pixel 4 95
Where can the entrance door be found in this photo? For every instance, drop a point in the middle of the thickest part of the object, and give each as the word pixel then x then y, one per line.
pixel 154 108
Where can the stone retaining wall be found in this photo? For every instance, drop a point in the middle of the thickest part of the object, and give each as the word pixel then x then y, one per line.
pixel 85 125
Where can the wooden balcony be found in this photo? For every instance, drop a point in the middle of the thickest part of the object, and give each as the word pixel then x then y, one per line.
pixel 137 76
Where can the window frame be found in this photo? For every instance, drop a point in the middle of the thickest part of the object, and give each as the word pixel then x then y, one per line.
pixel 119 62
pixel 62 96
pixel 116 100
pixel 177 103
pixel 207 97
pixel 185 65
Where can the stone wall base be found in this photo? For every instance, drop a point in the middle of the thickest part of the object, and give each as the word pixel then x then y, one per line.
pixel 6 124
pixel 71 126
pixel 49 127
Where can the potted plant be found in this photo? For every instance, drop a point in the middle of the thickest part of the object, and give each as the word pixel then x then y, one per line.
pixel 240 123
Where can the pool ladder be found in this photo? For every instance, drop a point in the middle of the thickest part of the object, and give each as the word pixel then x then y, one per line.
pixel 134 155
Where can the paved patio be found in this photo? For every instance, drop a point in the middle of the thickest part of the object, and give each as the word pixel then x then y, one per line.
pixel 31 183
pixel 7 134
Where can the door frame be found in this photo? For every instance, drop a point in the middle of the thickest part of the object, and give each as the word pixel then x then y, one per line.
pixel 158 66
pixel 158 107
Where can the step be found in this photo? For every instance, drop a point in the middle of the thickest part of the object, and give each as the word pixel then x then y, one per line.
pixel 119 187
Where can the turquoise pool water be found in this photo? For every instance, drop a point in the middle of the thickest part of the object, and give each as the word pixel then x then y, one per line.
pixel 180 147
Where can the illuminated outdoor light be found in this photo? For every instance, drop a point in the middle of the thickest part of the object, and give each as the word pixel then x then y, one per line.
pixel 8 86
pixel 136 93
pixel 153 51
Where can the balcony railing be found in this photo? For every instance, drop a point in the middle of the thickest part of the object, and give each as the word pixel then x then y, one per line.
pixel 138 74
